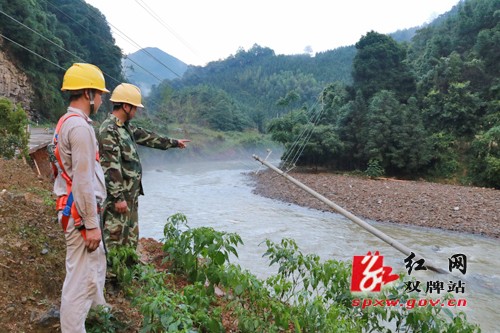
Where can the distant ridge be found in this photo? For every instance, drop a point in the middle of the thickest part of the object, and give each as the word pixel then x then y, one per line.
pixel 156 64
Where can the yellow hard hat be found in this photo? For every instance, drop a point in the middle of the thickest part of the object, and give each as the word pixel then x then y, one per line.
pixel 84 76
pixel 127 93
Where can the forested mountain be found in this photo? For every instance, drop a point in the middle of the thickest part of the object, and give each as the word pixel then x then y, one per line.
pixel 258 83
pixel 43 39
pixel 425 107
pixel 387 105
pixel 150 66
pixel 267 85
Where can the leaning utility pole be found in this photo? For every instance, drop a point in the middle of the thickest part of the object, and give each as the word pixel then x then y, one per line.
pixel 389 240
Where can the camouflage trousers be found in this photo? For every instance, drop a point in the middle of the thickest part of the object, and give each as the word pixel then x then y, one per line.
pixel 121 229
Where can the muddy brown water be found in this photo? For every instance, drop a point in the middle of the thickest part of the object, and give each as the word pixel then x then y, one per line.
pixel 219 195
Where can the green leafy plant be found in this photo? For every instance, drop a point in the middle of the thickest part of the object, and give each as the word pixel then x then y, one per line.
pixel 14 136
pixel 121 263
pixel 102 320
pixel 199 253
pixel 374 169
pixel 305 295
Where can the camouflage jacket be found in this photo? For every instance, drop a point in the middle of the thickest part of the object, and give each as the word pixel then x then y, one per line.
pixel 120 159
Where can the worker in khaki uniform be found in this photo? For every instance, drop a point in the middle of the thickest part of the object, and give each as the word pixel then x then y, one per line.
pixel 118 140
pixel 80 173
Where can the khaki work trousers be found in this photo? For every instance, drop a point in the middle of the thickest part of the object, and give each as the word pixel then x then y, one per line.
pixel 83 286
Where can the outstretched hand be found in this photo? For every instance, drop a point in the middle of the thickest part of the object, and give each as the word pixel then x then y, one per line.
pixel 182 143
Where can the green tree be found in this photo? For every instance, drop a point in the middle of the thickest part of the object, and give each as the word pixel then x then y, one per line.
pixel 333 98
pixel 395 135
pixel 380 64
pixel 320 147
pixel 485 158
pixel 458 111
pixel 351 127
pixel 13 128
pixel 286 129
pixel 43 38
pixel 205 106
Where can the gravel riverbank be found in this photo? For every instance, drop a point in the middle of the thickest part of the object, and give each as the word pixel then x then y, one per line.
pixel 459 208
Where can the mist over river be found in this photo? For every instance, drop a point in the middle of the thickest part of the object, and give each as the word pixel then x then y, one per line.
pixel 219 195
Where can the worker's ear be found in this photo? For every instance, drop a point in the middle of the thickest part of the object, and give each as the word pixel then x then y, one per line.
pixel 88 93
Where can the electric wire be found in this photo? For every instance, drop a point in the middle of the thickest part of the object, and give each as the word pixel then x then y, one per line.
pixel 142 49
pixel 39 34
pixel 120 32
pixel 102 39
pixel 165 25
pixel 306 133
pixel 46 59
pixel 288 158
pixel 85 28
pixel 288 155
pixel 50 41
pixel 310 131
pixel 31 51
pixel 293 154
pixel 296 151
pixel 40 56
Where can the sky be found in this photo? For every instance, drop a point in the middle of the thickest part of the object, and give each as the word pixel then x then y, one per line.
pixel 199 31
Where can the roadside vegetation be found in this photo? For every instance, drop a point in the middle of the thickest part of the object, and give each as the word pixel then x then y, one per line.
pixel 13 130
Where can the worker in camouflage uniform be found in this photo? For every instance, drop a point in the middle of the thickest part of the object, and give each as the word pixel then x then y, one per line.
pixel 118 140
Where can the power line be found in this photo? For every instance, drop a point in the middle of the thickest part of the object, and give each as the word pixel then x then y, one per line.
pixel 69 52
pixel 130 40
pixel 42 57
pixel 298 146
pixel 39 34
pixel 38 55
pixel 52 42
pixel 31 51
pixel 165 25
pixel 87 30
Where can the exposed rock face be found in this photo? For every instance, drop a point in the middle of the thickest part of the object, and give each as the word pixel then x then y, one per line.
pixel 14 84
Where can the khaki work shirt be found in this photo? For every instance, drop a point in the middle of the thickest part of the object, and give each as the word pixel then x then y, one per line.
pixel 78 148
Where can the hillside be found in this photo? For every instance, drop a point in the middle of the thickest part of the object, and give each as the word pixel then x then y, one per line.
pixel 43 38
pixel 32 256
pixel 150 66
pixel 427 108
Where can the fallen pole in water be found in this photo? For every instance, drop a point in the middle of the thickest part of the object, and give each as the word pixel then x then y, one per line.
pixel 389 240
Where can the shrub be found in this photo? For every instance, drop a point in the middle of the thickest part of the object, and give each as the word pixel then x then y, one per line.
pixel 14 137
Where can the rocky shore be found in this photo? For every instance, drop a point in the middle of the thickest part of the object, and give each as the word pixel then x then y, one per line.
pixel 459 208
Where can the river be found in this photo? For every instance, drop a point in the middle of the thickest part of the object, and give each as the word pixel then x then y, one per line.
pixel 219 195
